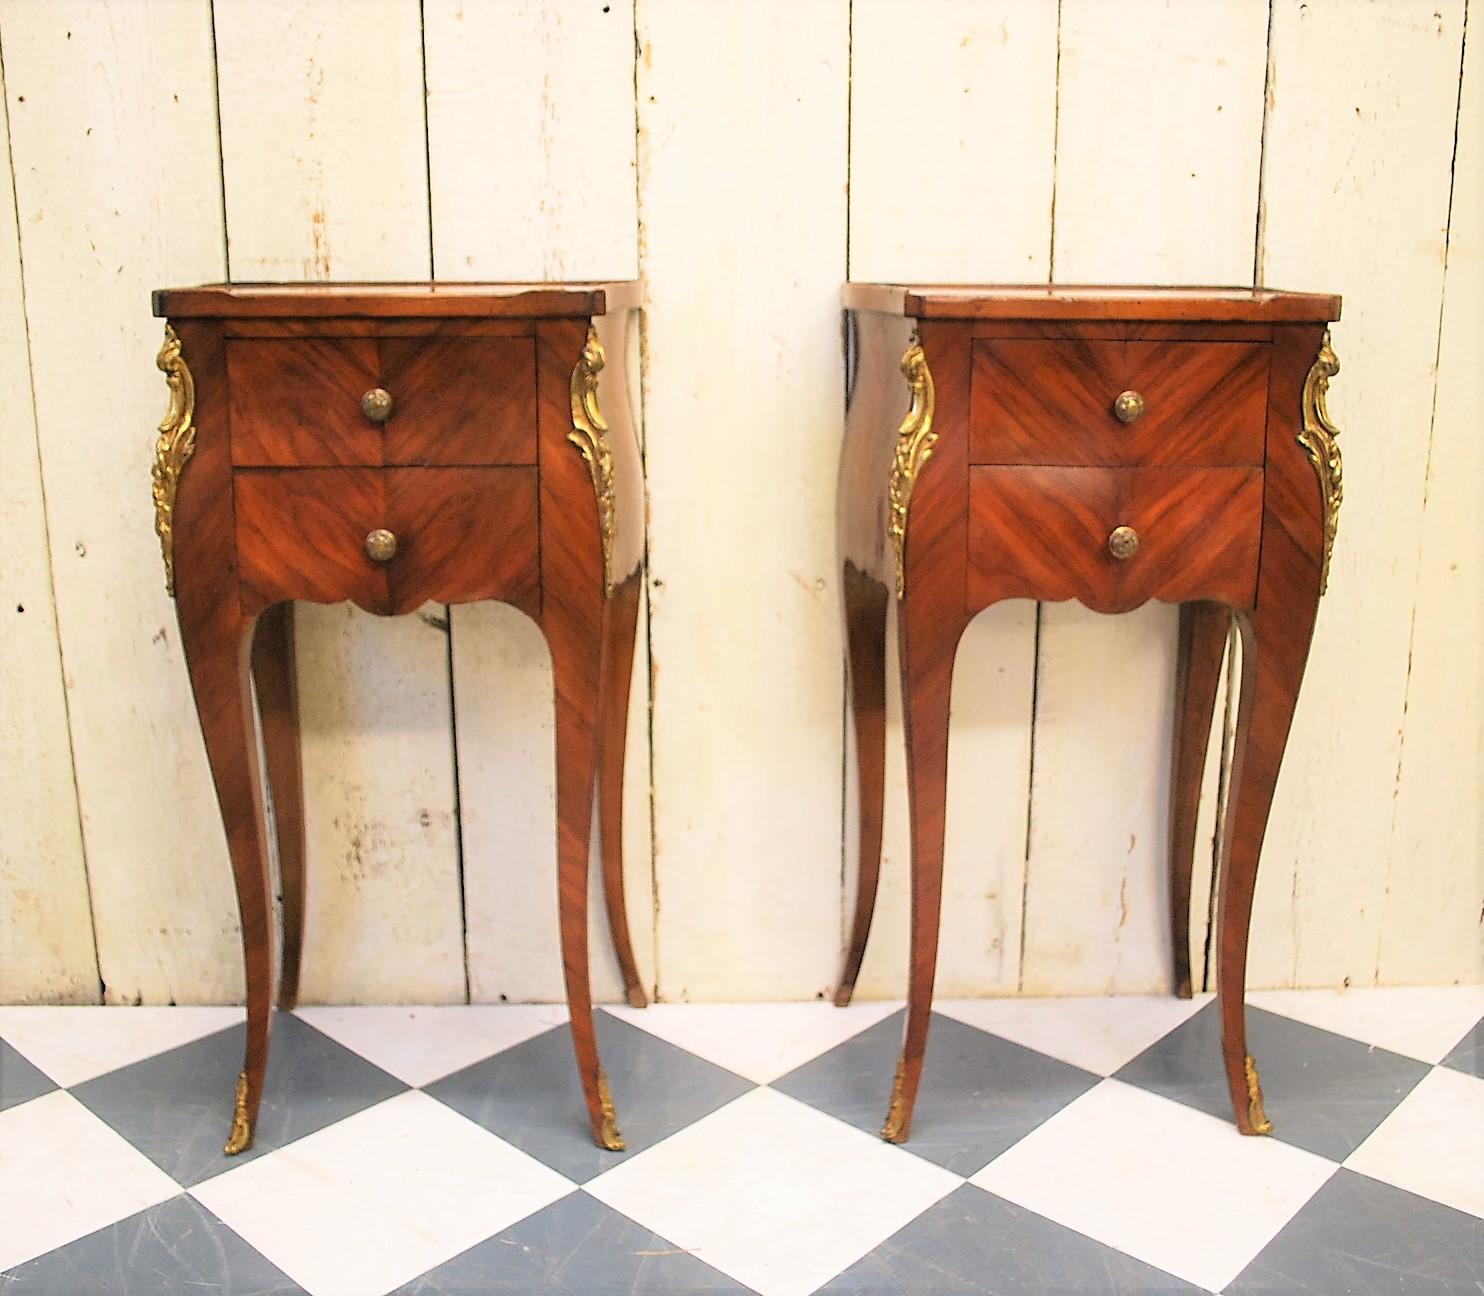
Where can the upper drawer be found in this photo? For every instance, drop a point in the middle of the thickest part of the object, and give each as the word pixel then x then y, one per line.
pixel 298 402
pixel 1057 402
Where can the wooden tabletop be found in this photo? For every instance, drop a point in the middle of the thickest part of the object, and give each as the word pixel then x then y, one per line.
pixel 395 300
pixel 1091 302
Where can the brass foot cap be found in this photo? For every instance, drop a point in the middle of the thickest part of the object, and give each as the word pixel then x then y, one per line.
pixel 608 1136
pixel 240 1139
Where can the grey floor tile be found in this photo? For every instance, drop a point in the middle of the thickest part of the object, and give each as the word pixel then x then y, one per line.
pixel 575 1245
pixel 1358 1237
pixel 19 1080
pixel 176 1107
pixel 178 1248
pixel 980 1094
pixel 529 1095
pixel 1324 1092
pixel 973 1243
pixel 1468 1053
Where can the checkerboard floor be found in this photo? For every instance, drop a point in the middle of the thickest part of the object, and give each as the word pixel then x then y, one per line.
pixel 1060 1146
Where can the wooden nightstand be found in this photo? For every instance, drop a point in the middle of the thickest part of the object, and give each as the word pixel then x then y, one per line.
pixel 1110 445
pixel 391 445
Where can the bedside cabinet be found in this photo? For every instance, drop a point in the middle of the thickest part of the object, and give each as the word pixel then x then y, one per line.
pixel 391 445
pixel 1110 446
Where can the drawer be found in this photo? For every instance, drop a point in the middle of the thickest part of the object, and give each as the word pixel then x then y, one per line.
pixel 1054 401
pixel 297 402
pixel 1048 533
pixel 460 534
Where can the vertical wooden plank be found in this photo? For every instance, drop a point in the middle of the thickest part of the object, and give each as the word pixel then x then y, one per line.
pixel 113 133
pixel 742 113
pixel 1430 928
pixel 325 171
pixel 557 83
pixel 1158 154
pixel 952 143
pixel 1357 169
pixel 46 927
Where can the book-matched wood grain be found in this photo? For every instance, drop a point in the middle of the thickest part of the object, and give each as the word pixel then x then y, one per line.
pixel 250 539
pixel 1050 401
pixel 455 400
pixel 1242 537
pixel 294 404
pixel 1043 533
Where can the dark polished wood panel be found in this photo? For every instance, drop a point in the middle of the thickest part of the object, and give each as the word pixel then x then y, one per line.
pixel 478 482
pixel 1229 515
pixel 1052 402
pixel 1082 302
pixel 460 400
pixel 396 300
pixel 463 535
pixel 298 404
pixel 302 535
pixel 1045 532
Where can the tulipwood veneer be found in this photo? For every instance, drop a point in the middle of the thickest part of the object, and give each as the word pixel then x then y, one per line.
pixel 1109 445
pixel 390 445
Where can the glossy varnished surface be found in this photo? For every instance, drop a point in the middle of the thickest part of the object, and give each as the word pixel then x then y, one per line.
pixel 1043 533
pixel 387 300
pixel 1081 302
pixel 1030 472
pixel 1051 401
pixel 476 476
pixel 296 401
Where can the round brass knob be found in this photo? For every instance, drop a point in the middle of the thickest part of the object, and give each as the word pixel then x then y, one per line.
pixel 376 405
pixel 1129 407
pixel 381 545
pixel 1123 543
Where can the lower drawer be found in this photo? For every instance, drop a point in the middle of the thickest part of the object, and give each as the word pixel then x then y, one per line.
pixel 387 539
pixel 1113 538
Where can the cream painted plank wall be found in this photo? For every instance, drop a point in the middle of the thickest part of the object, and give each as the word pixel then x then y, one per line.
pixel 46 928
pixel 113 137
pixel 1434 903
pixel 967 91
pixel 1157 184
pixel 744 159
pixel 531 134
pixel 1357 173
pixel 324 162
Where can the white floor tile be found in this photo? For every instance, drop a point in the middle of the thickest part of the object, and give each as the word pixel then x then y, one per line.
pixel 757 1041
pixel 75 1044
pixel 777 1195
pixel 1433 1143
pixel 374 1200
pixel 420 1045
pixel 1097 1034
pixel 1169 1185
pixel 65 1174
pixel 1422 1022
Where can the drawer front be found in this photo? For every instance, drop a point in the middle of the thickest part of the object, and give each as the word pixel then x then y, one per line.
pixel 458 535
pixel 1056 402
pixel 1049 533
pixel 297 402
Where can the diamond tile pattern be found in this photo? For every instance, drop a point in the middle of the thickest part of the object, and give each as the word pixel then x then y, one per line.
pixel 1324 1092
pixel 19 1080
pixel 432 1152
